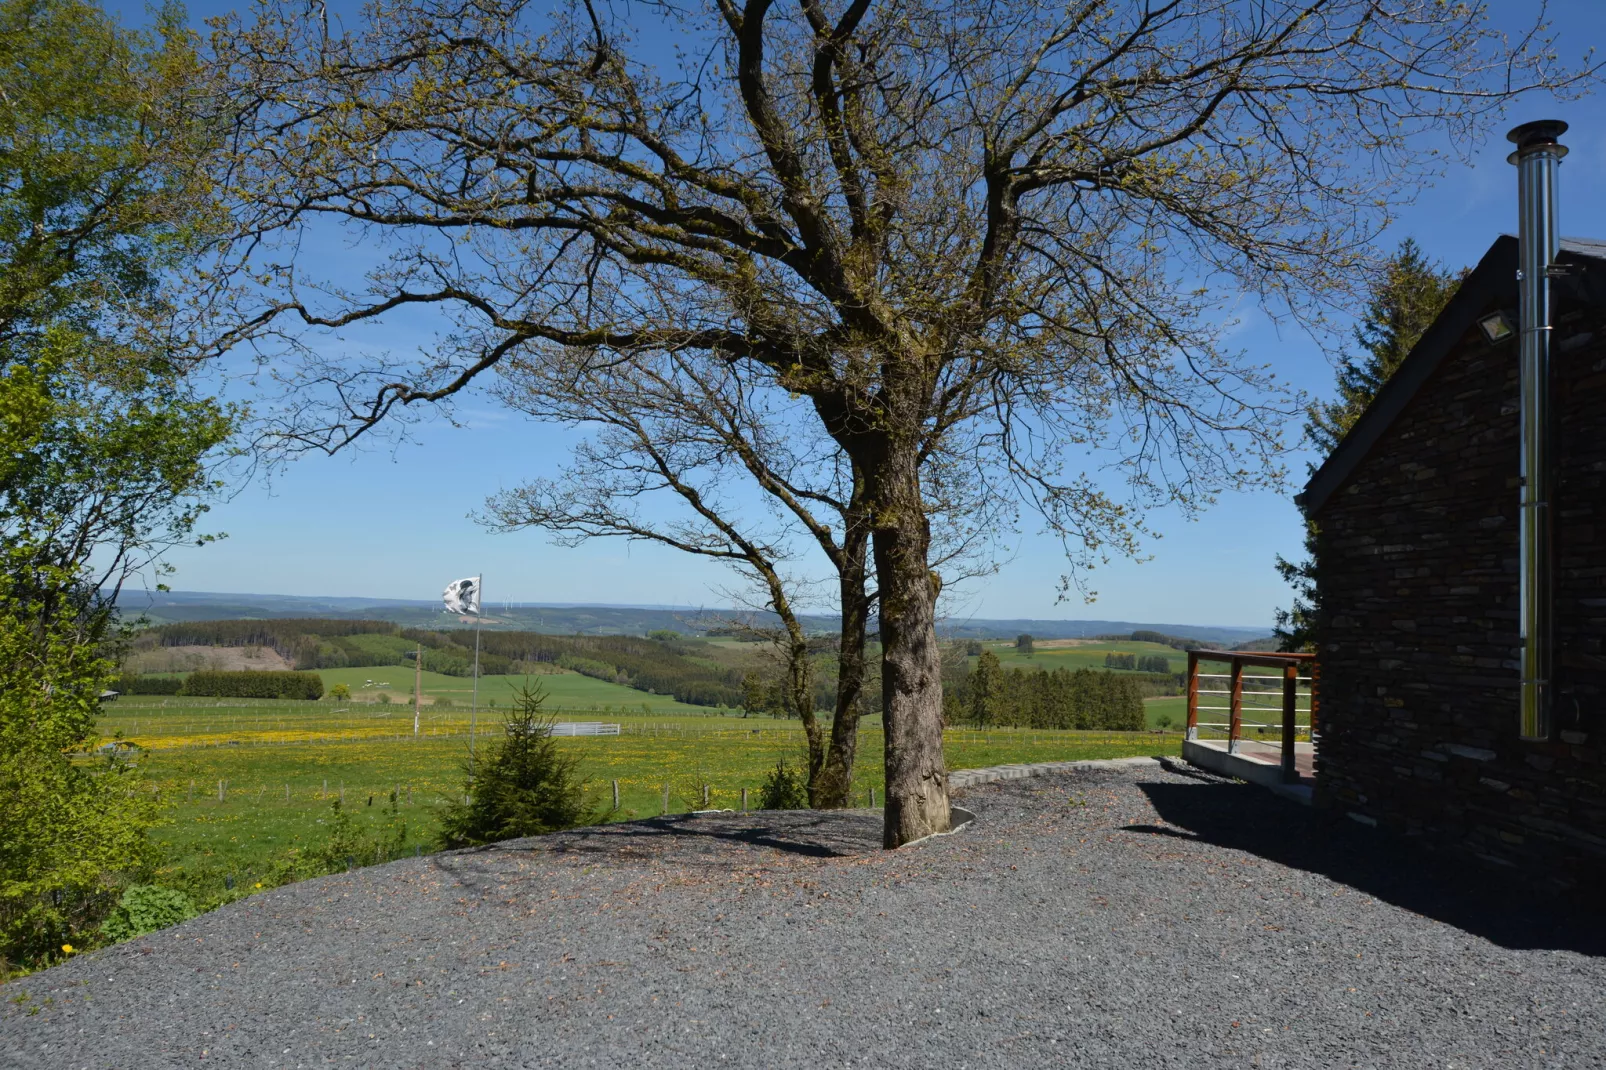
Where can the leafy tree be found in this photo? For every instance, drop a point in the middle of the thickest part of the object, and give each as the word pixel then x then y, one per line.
pixel 1403 303
pixel 104 448
pixel 70 831
pixel 523 785
pixel 1024 644
pixel 340 692
pixel 951 230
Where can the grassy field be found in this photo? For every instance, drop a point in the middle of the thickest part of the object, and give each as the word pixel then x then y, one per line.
pixel 1076 654
pixel 565 690
pixel 282 767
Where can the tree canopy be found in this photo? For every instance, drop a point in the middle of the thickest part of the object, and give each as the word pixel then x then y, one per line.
pixel 997 235
pixel 104 447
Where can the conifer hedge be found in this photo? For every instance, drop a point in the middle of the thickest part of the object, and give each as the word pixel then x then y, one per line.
pixel 251 683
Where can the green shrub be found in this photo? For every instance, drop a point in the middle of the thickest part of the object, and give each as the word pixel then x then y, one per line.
pixel 524 785
pixel 783 789
pixel 442 702
pixel 383 698
pixel 144 908
pixel 340 692
pixel 347 846
pixel 251 683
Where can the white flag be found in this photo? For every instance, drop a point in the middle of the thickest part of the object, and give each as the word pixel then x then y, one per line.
pixel 463 596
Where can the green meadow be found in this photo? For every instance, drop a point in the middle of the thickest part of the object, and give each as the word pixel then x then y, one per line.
pixel 281 767
pixel 1076 654
pixel 565 690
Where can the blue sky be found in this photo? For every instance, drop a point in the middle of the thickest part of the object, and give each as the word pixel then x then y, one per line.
pixel 392 521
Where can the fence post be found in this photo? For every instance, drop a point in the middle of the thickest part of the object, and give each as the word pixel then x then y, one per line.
pixel 1235 716
pixel 705 796
pixel 665 809
pixel 1193 695
pixel 1315 678
pixel 744 800
pixel 220 791
pixel 1290 695
pixel 616 795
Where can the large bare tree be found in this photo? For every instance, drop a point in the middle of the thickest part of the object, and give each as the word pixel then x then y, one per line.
pixel 998 228
pixel 669 425
pixel 680 425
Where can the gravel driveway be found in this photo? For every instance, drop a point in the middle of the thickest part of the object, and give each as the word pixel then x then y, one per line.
pixel 1136 918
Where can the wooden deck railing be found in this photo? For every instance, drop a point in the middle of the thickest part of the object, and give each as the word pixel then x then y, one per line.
pixel 1290 666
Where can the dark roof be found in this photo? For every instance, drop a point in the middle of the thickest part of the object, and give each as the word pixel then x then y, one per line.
pixel 1492 284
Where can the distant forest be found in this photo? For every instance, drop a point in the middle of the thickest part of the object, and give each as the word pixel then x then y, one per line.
pixel 659 666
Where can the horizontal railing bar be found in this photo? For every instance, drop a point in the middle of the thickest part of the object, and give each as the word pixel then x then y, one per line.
pixel 1245 657
pixel 1247 691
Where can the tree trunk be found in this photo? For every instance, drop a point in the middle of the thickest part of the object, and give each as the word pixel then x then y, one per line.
pixel 911 663
pixel 800 690
pixel 833 789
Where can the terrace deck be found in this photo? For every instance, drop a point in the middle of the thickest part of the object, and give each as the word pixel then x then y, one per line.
pixel 1256 762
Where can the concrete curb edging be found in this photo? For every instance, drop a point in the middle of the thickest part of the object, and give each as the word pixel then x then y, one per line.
pixel 960 779
pixel 960 819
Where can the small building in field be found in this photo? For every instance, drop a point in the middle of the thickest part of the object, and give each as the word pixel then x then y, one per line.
pixel 1420 638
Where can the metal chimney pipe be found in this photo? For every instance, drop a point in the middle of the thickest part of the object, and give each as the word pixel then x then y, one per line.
pixel 1537 157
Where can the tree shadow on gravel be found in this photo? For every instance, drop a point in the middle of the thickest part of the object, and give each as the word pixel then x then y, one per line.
pixel 712 838
pixel 1382 864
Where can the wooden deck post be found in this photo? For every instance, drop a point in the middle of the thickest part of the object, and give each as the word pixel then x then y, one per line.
pixel 1193 695
pixel 1290 703
pixel 1235 717
pixel 1315 678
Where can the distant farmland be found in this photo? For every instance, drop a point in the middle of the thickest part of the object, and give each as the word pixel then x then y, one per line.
pixel 1084 654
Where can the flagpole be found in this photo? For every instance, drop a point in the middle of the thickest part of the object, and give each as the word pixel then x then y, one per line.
pixel 474 709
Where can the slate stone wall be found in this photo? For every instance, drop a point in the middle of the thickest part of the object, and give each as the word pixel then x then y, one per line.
pixel 1418 653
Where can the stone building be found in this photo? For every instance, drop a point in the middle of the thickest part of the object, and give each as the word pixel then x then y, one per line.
pixel 1418 551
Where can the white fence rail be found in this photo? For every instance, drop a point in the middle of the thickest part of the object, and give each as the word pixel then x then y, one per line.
pixel 584 728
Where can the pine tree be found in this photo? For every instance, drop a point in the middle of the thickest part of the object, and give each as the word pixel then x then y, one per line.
pixel 986 689
pixel 1403 304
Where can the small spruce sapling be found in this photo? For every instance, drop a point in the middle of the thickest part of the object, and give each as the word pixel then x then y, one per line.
pixel 784 789
pixel 523 785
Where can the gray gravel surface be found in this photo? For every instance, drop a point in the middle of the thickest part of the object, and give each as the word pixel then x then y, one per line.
pixel 1136 918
